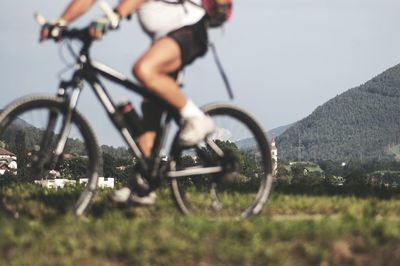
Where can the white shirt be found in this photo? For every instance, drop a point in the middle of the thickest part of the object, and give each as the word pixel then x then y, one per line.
pixel 159 18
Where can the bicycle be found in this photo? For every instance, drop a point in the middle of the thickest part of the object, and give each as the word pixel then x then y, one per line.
pixel 224 175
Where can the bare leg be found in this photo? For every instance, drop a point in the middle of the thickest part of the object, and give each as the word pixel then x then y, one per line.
pixel 152 69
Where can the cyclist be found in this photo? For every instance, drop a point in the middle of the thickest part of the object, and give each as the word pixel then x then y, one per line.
pixel 179 36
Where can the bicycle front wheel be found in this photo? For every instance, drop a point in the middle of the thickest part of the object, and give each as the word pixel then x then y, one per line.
pixel 239 149
pixel 30 130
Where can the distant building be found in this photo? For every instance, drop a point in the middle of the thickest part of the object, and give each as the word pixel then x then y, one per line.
pixel 274 156
pixel 104 182
pixel 62 182
pixel 121 167
pixel 8 161
pixel 55 183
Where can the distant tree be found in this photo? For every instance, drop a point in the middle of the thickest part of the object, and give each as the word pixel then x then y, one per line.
pixel 74 168
pixel 282 171
pixel 297 171
pixel 187 161
pixel 356 181
pixel 331 167
pixel 109 165
pixel 283 177
pixel 117 153
pixel 21 153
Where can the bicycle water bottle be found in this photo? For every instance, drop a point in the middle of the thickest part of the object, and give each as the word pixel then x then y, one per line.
pixel 131 117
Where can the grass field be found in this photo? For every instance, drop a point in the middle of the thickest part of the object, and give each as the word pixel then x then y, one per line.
pixel 37 228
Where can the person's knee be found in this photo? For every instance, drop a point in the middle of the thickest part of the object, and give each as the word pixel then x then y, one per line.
pixel 144 72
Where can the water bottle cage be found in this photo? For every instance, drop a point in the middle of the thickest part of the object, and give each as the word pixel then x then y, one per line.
pixel 119 119
pixel 130 119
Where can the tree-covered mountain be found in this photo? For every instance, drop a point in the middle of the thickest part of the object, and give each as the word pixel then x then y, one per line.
pixel 32 136
pixel 248 143
pixel 276 132
pixel 363 123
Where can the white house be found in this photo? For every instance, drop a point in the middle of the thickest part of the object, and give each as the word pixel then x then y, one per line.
pixel 104 182
pixel 274 156
pixel 55 183
pixel 61 182
pixel 8 161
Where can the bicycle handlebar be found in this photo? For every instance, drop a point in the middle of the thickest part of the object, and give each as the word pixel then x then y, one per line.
pixel 82 35
pixel 77 34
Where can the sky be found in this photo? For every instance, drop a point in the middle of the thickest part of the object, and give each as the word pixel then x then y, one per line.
pixel 284 58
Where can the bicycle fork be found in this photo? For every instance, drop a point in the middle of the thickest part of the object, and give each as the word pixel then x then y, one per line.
pixel 72 102
pixel 48 157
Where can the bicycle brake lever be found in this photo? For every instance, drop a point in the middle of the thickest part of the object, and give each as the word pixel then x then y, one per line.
pixel 114 20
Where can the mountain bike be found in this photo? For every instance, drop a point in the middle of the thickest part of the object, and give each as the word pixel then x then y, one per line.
pixel 229 173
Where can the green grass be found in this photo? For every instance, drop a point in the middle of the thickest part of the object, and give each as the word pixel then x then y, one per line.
pixel 36 228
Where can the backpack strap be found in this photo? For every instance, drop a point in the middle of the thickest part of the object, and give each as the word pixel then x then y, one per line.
pixel 194 3
pixel 172 2
pixel 221 70
pixel 177 2
pixel 180 2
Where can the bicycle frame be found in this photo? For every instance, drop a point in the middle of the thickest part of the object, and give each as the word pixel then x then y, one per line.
pixel 88 70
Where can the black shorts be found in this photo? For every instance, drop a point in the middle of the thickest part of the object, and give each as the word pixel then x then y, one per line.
pixel 192 40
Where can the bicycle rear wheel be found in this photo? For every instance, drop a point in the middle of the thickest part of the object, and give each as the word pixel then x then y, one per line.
pixel 240 149
pixel 30 130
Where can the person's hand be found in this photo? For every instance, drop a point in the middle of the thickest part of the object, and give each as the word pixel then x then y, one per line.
pixel 52 29
pixel 101 25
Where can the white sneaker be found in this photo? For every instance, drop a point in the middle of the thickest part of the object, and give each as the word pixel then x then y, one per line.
pixel 125 194
pixel 195 129
pixel 149 199
pixel 121 195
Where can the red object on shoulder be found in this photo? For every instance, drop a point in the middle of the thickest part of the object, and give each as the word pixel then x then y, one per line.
pixel 219 11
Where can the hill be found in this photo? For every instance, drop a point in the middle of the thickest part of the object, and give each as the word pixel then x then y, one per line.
pixel 275 132
pixel 363 122
pixel 74 145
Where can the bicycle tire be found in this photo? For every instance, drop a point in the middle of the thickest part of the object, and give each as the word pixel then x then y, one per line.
pixel 24 117
pixel 240 190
